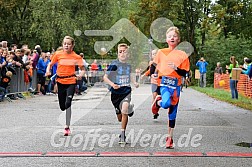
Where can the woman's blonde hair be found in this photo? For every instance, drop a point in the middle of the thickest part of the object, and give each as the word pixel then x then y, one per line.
pixel 70 38
pixel 233 61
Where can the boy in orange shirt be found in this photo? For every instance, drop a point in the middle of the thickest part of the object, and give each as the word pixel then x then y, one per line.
pixel 172 64
pixel 66 79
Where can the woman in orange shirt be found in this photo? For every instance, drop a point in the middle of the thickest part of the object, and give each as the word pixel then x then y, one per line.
pixel 66 79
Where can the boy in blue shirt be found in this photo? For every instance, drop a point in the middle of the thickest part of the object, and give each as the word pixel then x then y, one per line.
pixel 118 76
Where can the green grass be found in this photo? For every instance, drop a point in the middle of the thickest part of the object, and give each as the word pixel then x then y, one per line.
pixel 243 101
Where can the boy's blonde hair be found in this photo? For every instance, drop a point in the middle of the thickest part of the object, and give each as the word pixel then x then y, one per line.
pixel 123 45
pixel 173 29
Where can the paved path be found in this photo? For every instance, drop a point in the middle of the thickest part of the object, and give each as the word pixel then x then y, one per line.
pixel 205 135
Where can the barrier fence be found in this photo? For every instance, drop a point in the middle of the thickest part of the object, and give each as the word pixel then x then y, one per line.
pixel 244 87
pixel 18 84
pixel 221 81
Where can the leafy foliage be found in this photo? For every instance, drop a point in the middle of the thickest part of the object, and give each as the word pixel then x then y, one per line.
pixel 220 49
pixel 216 30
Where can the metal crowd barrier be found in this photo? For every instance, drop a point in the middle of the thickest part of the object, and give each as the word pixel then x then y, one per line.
pixel 18 87
pixel 17 83
pixel 94 76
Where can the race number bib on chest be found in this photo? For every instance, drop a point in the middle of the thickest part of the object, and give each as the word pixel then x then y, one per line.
pixel 169 82
pixel 123 80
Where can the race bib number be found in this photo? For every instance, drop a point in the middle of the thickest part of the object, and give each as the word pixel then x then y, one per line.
pixel 169 82
pixel 123 80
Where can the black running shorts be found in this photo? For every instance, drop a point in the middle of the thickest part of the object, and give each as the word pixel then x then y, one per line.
pixel 118 99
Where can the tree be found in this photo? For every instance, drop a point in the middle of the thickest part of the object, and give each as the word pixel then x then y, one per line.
pixel 15 20
pixel 233 16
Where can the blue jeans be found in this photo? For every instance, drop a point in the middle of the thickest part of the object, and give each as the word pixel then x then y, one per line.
pixel 203 80
pixel 233 88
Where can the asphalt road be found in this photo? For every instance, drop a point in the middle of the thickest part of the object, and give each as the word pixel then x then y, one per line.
pixel 206 133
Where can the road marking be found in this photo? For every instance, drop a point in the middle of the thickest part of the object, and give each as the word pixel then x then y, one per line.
pixel 71 154
pixel 127 154
pixel 177 154
pixel 20 154
pixel 124 154
pixel 229 154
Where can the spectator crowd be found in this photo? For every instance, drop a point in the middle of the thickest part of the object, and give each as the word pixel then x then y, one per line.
pixel 33 63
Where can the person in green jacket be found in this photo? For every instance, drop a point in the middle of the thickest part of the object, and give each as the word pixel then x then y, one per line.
pixel 233 83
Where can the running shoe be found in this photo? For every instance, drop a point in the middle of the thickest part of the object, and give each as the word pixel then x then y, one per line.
pixel 67 132
pixel 131 110
pixel 169 143
pixel 155 116
pixel 122 139
pixel 154 106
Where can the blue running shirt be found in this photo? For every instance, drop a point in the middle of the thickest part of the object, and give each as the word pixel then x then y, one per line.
pixel 119 73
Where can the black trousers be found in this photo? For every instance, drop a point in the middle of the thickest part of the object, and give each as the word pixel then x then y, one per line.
pixel 65 95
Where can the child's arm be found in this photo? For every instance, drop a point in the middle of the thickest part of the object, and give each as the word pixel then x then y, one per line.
pixel 147 72
pixel 82 73
pixel 81 68
pixel 108 81
pixel 50 64
pixel 48 69
pixel 132 78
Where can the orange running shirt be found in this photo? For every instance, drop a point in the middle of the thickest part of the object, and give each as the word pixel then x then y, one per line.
pixel 166 56
pixel 66 66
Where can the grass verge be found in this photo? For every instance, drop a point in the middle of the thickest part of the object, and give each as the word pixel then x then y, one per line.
pixel 242 101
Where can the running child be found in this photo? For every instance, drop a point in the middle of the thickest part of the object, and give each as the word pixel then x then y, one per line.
pixel 118 76
pixel 66 78
pixel 155 88
pixel 172 65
